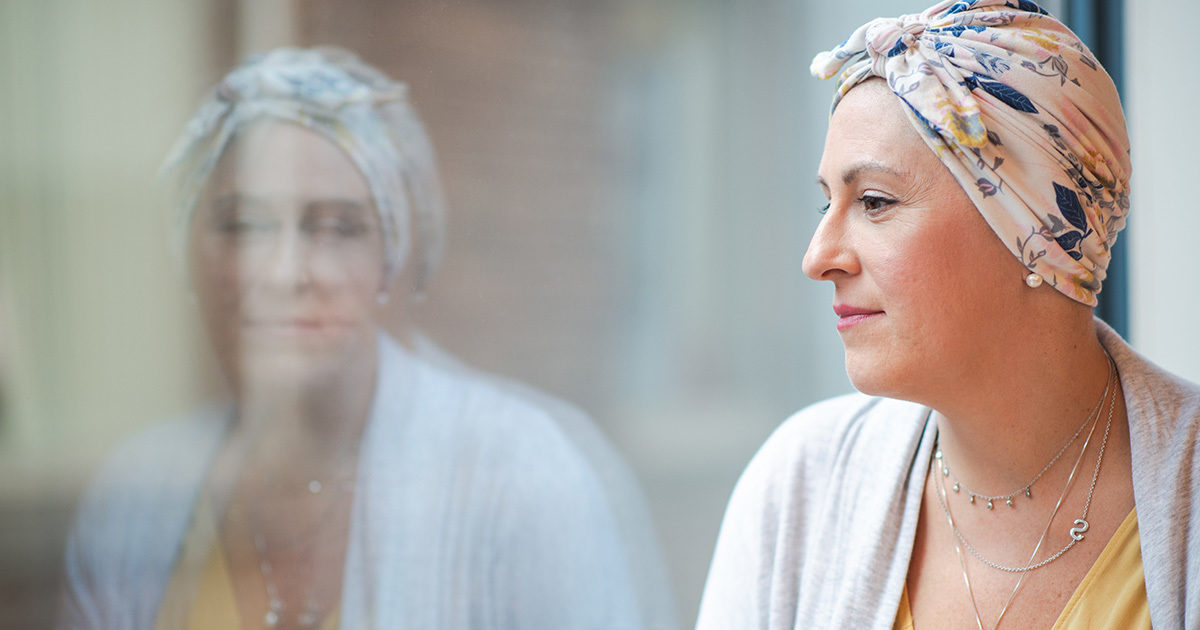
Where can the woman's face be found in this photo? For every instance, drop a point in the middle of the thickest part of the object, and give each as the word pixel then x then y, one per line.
pixel 287 257
pixel 921 283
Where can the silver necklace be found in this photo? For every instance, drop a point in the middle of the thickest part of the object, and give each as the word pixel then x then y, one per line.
pixel 310 613
pixel 1080 524
pixel 1076 532
pixel 940 491
pixel 1026 490
pixel 308 616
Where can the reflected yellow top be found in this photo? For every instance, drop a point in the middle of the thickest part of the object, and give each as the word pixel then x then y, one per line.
pixel 1112 596
pixel 200 595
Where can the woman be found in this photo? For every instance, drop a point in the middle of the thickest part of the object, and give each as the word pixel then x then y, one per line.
pixel 352 482
pixel 1010 461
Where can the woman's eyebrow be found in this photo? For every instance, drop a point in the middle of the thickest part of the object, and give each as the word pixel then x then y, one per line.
pixel 229 203
pixel 237 199
pixel 858 168
pixel 339 204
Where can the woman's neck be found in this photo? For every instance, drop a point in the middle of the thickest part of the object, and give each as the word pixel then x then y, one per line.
pixel 308 428
pixel 1002 424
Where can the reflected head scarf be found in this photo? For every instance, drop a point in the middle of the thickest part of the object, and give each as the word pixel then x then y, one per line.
pixel 1021 113
pixel 358 108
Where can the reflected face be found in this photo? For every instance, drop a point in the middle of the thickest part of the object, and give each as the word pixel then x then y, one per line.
pixel 287 257
pixel 920 279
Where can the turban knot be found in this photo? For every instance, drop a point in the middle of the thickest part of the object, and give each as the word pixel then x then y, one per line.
pixel 888 37
pixel 306 77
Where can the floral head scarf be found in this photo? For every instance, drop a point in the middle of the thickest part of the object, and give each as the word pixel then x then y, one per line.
pixel 1021 113
pixel 366 114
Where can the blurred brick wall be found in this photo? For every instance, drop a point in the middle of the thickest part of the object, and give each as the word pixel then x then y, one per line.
pixel 513 96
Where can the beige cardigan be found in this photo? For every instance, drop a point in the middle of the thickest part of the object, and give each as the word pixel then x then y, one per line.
pixel 819 530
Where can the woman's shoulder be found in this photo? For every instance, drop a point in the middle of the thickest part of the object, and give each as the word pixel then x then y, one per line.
pixel 1164 430
pixel 468 400
pixel 829 474
pixel 1163 408
pixel 851 424
pixel 133 510
pixel 148 473
pixel 843 442
pixel 151 455
pixel 472 418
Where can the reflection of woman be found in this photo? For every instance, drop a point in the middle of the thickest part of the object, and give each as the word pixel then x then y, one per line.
pixel 1063 464
pixel 352 483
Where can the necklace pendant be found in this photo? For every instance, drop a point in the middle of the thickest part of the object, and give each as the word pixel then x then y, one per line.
pixel 989 504
pixel 1027 495
pixel 972 498
pixel 955 486
pixel 1081 526
pixel 1009 502
pixel 309 617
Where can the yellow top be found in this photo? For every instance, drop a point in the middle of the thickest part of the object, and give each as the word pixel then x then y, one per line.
pixel 1111 596
pixel 200 595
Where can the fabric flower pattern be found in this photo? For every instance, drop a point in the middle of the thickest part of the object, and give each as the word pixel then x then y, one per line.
pixel 974 72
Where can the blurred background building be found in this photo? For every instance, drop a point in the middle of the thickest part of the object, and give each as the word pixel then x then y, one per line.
pixel 631 193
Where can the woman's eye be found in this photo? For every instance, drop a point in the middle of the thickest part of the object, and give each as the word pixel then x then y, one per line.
pixel 350 228
pixel 875 203
pixel 825 208
pixel 338 227
pixel 242 226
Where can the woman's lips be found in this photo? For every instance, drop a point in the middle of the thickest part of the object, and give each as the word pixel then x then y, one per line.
pixel 296 327
pixel 850 316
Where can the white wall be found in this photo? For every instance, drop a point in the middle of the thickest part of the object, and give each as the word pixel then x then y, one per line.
pixel 1162 98
pixel 91 93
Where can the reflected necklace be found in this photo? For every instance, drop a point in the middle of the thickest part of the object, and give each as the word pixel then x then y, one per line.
pixel 1025 490
pixel 309 614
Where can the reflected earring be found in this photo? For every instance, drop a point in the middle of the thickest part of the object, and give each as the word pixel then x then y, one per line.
pixel 382 297
pixel 1033 280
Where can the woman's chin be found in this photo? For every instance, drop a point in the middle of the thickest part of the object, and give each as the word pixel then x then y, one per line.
pixel 872 375
pixel 299 366
pixel 283 373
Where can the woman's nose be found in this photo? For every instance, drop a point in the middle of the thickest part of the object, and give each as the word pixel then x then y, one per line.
pixel 289 266
pixel 829 253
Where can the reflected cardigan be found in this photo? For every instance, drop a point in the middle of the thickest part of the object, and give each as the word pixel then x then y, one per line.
pixel 473 509
pixel 820 528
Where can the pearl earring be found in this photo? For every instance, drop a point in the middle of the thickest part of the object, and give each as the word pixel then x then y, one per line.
pixel 1033 280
